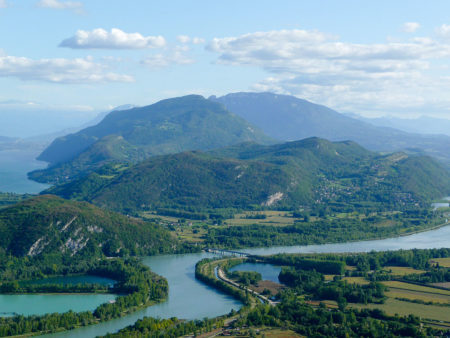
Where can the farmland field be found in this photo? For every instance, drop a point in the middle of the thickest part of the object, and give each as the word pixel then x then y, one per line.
pixel 402 271
pixel 394 306
pixel 413 287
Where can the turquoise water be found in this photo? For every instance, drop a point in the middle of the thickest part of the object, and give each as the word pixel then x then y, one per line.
pixel 40 304
pixel 267 271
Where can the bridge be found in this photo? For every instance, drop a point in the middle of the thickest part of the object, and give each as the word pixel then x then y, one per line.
pixel 227 252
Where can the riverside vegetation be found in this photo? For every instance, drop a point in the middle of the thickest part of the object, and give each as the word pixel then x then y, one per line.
pixel 47 236
pixel 321 299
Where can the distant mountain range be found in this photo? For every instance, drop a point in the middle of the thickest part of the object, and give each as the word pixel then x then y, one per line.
pixel 311 172
pixel 421 125
pixel 195 123
pixel 168 126
pixel 49 224
pixel 288 118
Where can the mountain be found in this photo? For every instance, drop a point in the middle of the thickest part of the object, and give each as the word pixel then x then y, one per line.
pixel 289 118
pixel 7 139
pixel 421 125
pixel 309 172
pixel 169 126
pixel 49 224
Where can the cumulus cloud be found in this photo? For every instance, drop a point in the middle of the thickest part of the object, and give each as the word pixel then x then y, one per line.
pixel 176 56
pixel 344 75
pixel 57 4
pixel 115 39
pixel 58 70
pixel 410 27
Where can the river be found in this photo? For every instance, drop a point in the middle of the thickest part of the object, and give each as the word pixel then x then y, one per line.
pixel 191 299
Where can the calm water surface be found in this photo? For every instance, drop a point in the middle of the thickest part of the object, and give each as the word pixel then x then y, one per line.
pixel 267 271
pixel 40 304
pixel 14 166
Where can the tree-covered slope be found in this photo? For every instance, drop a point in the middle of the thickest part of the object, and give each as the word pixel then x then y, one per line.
pixel 49 224
pixel 292 175
pixel 289 118
pixel 169 126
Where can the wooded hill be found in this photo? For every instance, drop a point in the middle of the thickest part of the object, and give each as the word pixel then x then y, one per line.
pixel 292 175
pixel 169 126
pixel 49 224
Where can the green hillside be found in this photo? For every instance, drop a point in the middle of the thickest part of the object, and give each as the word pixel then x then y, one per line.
pixel 49 224
pixel 292 175
pixel 169 126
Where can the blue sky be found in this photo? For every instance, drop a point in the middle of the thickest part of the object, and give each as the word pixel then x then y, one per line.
pixel 368 57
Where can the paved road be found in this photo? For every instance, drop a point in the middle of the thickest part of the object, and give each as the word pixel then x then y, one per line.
pixel 222 276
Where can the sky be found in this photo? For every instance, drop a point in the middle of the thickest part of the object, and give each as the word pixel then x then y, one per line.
pixel 78 58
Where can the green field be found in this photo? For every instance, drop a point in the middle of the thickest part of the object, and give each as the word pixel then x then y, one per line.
pixel 413 287
pixel 272 217
pixel 394 306
pixel 356 280
pixel 416 295
pixel 401 270
pixel 444 262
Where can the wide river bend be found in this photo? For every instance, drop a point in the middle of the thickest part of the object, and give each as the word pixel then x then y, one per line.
pixel 191 299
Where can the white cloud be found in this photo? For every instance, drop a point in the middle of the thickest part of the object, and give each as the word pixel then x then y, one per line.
pixel 3 4
pixel 443 31
pixel 198 41
pixel 80 70
pixel 176 56
pixel 347 76
pixel 115 39
pixel 410 27
pixel 57 4
pixel 184 39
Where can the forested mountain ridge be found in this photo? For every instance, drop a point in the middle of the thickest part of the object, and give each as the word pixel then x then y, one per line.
pixel 289 118
pixel 290 175
pixel 168 126
pixel 51 225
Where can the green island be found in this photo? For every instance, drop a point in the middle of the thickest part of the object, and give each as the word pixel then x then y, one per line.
pixel 138 286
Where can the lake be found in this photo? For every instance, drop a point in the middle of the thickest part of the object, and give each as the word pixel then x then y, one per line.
pixel 14 166
pixel 267 271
